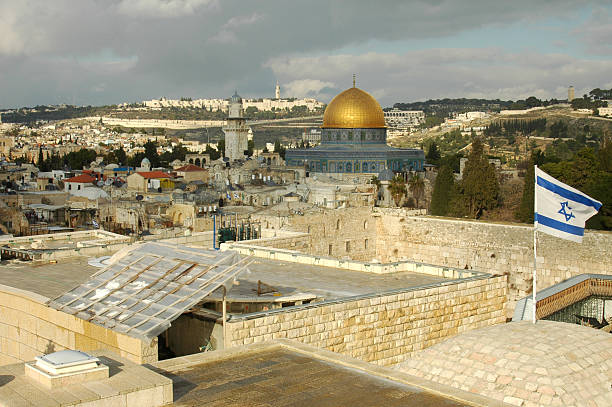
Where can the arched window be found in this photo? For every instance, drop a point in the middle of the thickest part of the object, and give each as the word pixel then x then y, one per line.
pixel 365 224
pixel 365 167
pixel 191 161
pixel 349 167
pixel 197 162
pixel 340 167
pixel 338 224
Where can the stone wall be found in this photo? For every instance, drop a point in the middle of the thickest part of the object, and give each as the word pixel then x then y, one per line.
pixel 296 241
pixel 341 233
pixel 383 329
pixel 493 248
pixel 29 328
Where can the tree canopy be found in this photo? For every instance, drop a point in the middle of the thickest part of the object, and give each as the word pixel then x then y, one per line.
pixel 479 188
pixel 442 191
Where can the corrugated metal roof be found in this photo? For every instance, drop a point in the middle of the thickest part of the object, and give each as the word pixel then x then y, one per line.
pixel 145 288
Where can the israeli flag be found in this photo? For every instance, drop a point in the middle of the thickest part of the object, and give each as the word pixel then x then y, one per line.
pixel 561 210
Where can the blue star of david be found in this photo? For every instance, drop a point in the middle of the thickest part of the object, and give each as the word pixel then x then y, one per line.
pixel 564 207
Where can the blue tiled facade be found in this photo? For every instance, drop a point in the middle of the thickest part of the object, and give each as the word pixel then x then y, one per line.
pixel 355 151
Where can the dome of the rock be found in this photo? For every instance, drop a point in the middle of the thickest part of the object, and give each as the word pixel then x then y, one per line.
pixel 354 108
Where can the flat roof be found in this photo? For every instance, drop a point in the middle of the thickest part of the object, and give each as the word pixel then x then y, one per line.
pixel 46 279
pixel 298 375
pixel 326 282
pixel 53 279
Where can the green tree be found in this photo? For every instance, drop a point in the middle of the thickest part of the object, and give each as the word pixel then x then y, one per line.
pixel 212 153
pixel 250 148
pixel 442 191
pixel 280 149
pixel 397 188
pixel 221 147
pixel 525 211
pixel 433 154
pixel 416 185
pixel 151 153
pixel 376 183
pixel 479 187
pixel 121 156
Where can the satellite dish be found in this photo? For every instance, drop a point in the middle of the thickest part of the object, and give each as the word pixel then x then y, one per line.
pixel 139 197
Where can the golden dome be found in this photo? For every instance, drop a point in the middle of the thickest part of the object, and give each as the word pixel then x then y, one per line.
pixel 353 109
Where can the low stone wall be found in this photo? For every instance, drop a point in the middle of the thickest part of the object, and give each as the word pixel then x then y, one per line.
pixel 493 248
pixel 29 328
pixel 288 240
pixel 385 328
pixel 248 249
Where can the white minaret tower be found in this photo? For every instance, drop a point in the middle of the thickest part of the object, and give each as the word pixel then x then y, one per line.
pixel 236 131
pixel 277 91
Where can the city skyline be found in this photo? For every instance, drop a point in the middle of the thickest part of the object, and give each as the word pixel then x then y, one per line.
pixel 90 52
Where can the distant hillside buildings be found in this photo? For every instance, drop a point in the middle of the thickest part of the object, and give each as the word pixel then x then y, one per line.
pixel 213 105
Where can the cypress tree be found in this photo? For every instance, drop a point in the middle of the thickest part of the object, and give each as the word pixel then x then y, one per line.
pixel 442 192
pixel 525 211
pixel 480 186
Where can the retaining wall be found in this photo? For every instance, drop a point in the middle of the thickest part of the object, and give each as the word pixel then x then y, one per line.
pixel 493 248
pixel 383 329
pixel 29 328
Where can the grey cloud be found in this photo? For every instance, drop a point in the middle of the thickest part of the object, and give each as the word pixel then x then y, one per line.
pixel 596 33
pixel 93 51
pixel 437 73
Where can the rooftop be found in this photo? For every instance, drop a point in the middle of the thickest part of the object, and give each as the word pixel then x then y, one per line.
pixel 153 174
pixel 81 179
pixel 127 384
pixel 190 168
pixel 326 282
pixel 291 374
pixel 46 279
pixel 547 363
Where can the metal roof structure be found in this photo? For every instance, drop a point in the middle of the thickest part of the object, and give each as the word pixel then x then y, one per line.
pixel 146 287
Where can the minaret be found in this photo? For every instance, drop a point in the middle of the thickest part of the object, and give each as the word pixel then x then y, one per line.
pixel 236 131
pixel 277 91
pixel 570 94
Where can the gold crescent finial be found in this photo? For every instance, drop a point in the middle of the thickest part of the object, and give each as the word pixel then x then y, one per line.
pixel 354 80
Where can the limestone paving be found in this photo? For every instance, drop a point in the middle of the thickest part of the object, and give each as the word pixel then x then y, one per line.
pixel 281 377
pixel 522 364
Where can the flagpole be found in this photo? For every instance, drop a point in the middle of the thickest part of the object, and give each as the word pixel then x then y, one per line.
pixel 535 239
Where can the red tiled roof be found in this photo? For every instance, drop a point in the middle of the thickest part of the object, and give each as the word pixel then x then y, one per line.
pixel 154 174
pixel 82 179
pixel 189 168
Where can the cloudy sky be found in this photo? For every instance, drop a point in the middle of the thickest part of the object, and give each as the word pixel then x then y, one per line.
pixel 112 51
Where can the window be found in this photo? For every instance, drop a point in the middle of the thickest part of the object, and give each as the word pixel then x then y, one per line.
pixel 338 224
pixel 365 244
pixel 365 224
pixel 330 250
pixel 347 246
